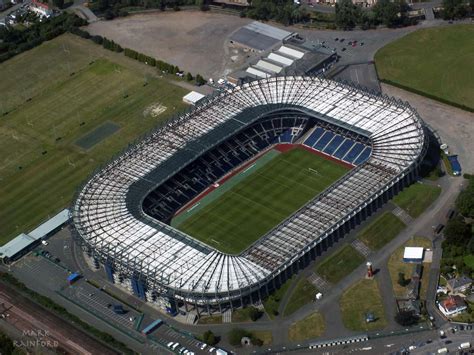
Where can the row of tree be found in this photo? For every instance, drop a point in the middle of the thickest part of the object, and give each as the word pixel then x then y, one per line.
pixel 14 41
pixel 457 9
pixel 459 234
pixel 283 11
pixel 384 12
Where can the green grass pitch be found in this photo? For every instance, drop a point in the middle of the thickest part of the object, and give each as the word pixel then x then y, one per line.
pixel 47 92
pixel 436 61
pixel 262 200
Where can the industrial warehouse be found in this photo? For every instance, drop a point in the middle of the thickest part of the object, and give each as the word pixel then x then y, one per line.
pixel 120 227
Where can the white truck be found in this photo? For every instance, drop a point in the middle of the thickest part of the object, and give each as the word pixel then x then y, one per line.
pixel 464 346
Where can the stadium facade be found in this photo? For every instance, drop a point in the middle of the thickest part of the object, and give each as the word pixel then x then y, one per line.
pixel 121 215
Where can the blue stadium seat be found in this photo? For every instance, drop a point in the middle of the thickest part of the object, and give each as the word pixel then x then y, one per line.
pixel 324 140
pixel 286 137
pixel 313 137
pixel 354 152
pixel 363 156
pixel 333 145
pixel 344 148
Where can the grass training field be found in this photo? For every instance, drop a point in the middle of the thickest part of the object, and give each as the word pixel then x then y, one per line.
pixel 381 231
pixel 416 198
pixel 340 264
pixel 312 326
pixel 54 95
pixel 261 200
pixel 436 61
pixel 302 294
pixel 397 265
pixel 357 301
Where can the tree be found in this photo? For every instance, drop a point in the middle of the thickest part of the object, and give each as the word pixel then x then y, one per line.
pixel 209 338
pixel 58 3
pixel 189 77
pixel 387 12
pixel 401 280
pixel 347 14
pixel 454 9
pixel 406 318
pixel 457 232
pixel 6 344
pixel 254 313
pixel 465 200
pixel 200 80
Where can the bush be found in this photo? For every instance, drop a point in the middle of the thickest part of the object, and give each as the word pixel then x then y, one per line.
pixel 401 280
pixel 209 338
pixel 235 336
pixel 254 313
pixel 200 80
pixel 406 318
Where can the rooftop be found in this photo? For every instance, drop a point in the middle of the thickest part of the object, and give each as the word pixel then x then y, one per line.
pixel 413 253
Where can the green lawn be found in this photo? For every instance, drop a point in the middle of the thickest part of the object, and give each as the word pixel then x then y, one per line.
pixel 340 264
pixel 437 61
pixel 469 260
pixel 357 301
pixel 396 265
pixel 303 293
pixel 416 198
pixel 272 303
pixel 261 200
pixel 55 94
pixel 381 231
pixel 311 327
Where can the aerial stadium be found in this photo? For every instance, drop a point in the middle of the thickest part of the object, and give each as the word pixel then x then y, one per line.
pixel 303 159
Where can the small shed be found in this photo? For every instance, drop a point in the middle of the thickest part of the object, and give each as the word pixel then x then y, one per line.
pixel 413 254
pixel 193 98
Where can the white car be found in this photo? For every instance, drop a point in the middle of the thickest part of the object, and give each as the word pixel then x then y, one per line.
pixel 174 346
pixel 203 346
pixel 211 349
pixel 44 242
pixel 170 344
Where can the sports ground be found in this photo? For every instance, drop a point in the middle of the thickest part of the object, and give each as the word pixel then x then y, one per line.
pixel 436 61
pixel 67 107
pixel 255 200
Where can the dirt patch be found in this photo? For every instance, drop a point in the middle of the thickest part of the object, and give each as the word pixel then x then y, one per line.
pixel 154 110
pixel 195 41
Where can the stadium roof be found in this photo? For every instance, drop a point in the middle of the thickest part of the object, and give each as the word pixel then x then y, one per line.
pixel 170 259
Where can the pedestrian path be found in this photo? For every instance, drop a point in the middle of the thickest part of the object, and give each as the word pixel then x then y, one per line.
pixel 361 247
pixel 404 217
pixel 320 283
